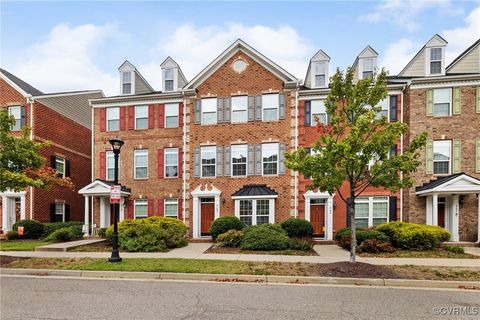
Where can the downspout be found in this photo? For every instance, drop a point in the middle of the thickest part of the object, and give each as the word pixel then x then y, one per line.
pixel 184 159
pixel 401 151
pixel 296 148
pixel 92 173
pixel 30 100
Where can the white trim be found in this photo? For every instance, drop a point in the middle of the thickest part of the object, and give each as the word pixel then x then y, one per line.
pixel 278 159
pixel 135 163
pixel 133 102
pixel 170 201
pixel 107 129
pixel 14 85
pixel 271 207
pixel 99 188
pixel 445 84
pixel 328 210
pixel 165 115
pixel 165 163
pixel 135 116
pixel 277 108
pixel 274 196
pixel 135 207
pixel 203 192
pixel 8 208
pixel 445 189
pixel 201 164
pixel 231 160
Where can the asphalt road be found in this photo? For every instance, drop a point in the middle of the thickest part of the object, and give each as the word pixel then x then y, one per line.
pixel 55 298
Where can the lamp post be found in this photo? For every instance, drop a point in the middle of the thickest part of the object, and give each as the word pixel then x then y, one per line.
pixel 116 146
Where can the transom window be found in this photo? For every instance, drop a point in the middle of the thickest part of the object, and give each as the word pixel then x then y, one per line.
pixel 255 211
pixel 169 79
pixel 370 211
pixel 113 119
pixel 368 64
pixel 435 60
pixel 171 208
pixel 442 101
pixel 208 155
pixel 16 112
pixel 141 117
pixel 60 166
pixel 319 112
pixel 141 209
pixel 320 73
pixel 209 111
pixel 141 164
pixel 442 151
pixel 110 165
pixel 239 160
pixel 239 109
pixel 59 212
pixel 171 162
pixel 171 115
pixel 127 82
pixel 270 158
pixel 270 107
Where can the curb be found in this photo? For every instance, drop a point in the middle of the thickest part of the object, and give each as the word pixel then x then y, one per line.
pixel 266 279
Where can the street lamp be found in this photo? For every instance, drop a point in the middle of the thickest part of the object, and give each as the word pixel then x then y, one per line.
pixel 116 146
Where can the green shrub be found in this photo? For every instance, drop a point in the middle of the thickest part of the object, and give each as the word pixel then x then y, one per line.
pixel 298 228
pixel 32 229
pixel 12 235
pixel 49 228
pixel 362 235
pixel 264 237
pixel 65 234
pixel 150 234
pixel 345 241
pixel 375 246
pixel 223 224
pixel 454 249
pixel 102 232
pixel 341 232
pixel 411 236
pixel 231 238
pixel 302 244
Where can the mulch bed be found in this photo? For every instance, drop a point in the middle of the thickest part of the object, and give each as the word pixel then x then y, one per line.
pixel 353 270
pixel 6 260
pixel 289 252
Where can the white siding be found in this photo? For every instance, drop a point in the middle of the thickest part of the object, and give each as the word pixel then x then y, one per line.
pixel 417 67
pixel 470 63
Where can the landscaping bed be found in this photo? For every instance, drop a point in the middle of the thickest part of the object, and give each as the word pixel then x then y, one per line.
pixel 436 253
pixel 338 269
pixel 234 250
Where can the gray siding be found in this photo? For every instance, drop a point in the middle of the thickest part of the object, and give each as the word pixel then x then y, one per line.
pixel 417 68
pixel 469 63
pixel 140 86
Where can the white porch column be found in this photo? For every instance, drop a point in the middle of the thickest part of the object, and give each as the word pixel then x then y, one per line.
pixel 22 207
pixel 103 213
pixel 196 212
pixel 478 221
pixel 435 209
pixel 5 225
pixel 329 219
pixel 122 209
pixel 455 218
pixel 87 216
pixel 307 208
pixel 217 207
pixel 429 210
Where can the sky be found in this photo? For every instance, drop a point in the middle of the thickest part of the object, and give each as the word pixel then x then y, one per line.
pixel 62 46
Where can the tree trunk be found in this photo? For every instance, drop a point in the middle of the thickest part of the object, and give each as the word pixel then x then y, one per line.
pixel 353 244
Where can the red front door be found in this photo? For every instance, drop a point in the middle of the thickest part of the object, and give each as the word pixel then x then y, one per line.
pixel 317 218
pixel 207 216
pixel 441 215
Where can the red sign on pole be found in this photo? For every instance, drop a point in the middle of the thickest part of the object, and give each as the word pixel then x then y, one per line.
pixel 114 194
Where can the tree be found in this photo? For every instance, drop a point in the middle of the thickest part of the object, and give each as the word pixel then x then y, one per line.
pixel 21 165
pixel 355 146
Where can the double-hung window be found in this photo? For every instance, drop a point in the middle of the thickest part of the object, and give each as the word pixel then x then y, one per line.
pixel 368 65
pixel 442 102
pixel 255 211
pixel 319 112
pixel 208 155
pixel 270 107
pixel 442 150
pixel 171 208
pixel 113 119
pixel 141 208
pixel 320 73
pixel 171 162
pixel 141 164
pixel 171 115
pixel 110 165
pixel 60 166
pixel 59 212
pixel 384 108
pixel 209 111
pixel 435 60
pixel 16 112
pixel 141 117
pixel 370 211
pixel 168 79
pixel 239 160
pixel 239 109
pixel 270 158
pixel 126 82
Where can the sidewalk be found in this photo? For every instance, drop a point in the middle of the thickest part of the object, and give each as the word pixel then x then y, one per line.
pixel 326 254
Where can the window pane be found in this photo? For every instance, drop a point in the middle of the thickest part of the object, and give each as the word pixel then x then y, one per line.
pixel 239 160
pixel 209 118
pixel 127 77
pixel 320 68
pixel 140 208
pixel 435 54
pixel 168 85
pixel 441 150
pixel 442 95
pixel 377 221
pixel 320 80
pixel 169 74
pixel 208 155
pixel 269 114
pixel 239 109
pixel 246 212
pixel 171 122
pixel 171 162
pixel 171 109
pixel 239 116
pixel 113 119
pixel 361 223
pixel 367 74
pixel 16 112
pixel 110 165
pixel 380 210
pixel 441 109
pixel 141 164
pixel 141 123
pixel 361 210
pixel 59 208
pixel 171 208
pixel 270 106
pixel 263 207
pixel 436 67
pixel 270 158
pixel 60 165
pixel 113 125
pixel 209 105
pixel 127 88
pixel 368 64
pixel 141 117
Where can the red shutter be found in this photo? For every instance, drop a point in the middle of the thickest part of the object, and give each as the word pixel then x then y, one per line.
pixel 103 119
pixel 151 116
pixel 180 114
pixel 150 207
pixel 160 208
pixel 103 174
pixel 122 118
pixel 180 208
pixel 131 118
pixel 180 162
pixel 130 209
pixel 160 159
pixel 161 116
pixel 399 106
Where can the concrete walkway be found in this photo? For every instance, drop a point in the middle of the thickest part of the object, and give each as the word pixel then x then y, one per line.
pixel 64 246
pixel 326 254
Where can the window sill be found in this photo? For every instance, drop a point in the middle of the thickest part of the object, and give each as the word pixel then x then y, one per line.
pixel 170 178
pixel 140 179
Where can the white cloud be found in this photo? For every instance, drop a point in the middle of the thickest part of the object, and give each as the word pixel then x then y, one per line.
pixel 405 13
pixel 398 54
pixel 64 60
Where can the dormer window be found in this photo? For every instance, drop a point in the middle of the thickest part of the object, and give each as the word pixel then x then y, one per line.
pixel 368 65
pixel 126 82
pixel 168 79
pixel 435 60
pixel 320 74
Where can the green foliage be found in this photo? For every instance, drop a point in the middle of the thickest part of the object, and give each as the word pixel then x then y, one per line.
pixel 341 232
pixel 413 236
pixel 150 234
pixel 302 244
pixel 362 235
pixel 32 229
pixel 297 228
pixel 375 246
pixel 49 228
pixel 65 234
pixel 454 249
pixel 12 235
pixel 264 237
pixel 223 224
pixel 102 233
pixel 231 238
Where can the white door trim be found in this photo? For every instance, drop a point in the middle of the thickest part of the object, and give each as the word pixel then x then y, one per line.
pixel 328 210
pixel 203 192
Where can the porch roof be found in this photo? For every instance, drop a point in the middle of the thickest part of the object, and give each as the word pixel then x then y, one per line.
pixel 254 190
pixel 459 183
pixel 100 187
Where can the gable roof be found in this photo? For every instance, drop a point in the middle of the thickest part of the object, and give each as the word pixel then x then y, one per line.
pixel 20 85
pixel 317 57
pixel 127 64
pixel 102 187
pixel 435 36
pixel 240 45
pixel 367 49
pixel 170 62
pixel 458 183
pixel 462 55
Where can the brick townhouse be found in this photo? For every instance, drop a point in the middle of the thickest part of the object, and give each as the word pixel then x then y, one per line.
pixel 214 146
pixel 64 120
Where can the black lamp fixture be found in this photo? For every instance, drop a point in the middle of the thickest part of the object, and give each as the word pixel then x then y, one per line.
pixel 116 146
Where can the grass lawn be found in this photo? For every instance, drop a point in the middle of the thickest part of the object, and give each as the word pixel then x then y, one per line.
pixel 338 269
pixel 438 253
pixel 21 245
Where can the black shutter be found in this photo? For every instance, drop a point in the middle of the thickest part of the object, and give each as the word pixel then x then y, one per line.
pixel 23 120
pixel 393 108
pixel 52 212
pixel 349 222
pixel 393 150
pixel 67 212
pixel 392 209
pixel 308 113
pixel 67 168
pixel 53 162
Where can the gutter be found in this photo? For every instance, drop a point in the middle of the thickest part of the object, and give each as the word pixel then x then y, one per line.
pixel 401 151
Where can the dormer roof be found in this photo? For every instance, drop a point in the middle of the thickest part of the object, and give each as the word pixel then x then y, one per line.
pixel 418 61
pixel 317 57
pixel 367 52
pixel 170 63
pixel 141 85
